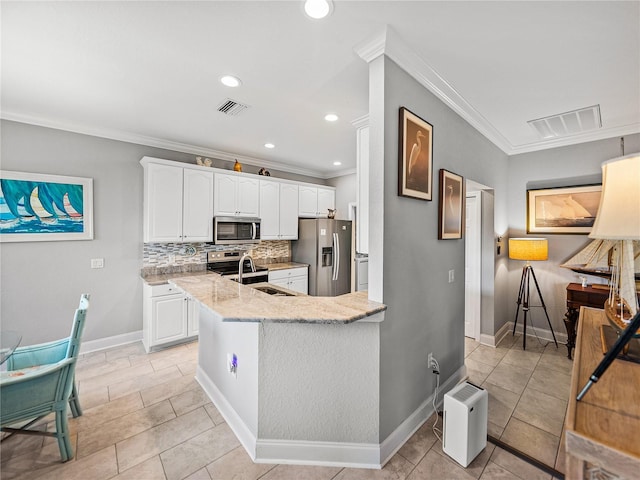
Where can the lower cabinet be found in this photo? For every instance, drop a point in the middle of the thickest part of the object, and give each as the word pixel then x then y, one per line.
pixel 296 279
pixel 168 316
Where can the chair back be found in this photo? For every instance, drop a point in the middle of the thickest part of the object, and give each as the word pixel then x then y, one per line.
pixel 79 318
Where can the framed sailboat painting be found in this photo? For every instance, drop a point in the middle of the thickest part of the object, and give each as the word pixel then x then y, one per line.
pixel 563 210
pixel 38 207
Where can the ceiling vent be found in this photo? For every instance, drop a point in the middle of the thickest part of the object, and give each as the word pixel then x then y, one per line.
pixel 568 123
pixel 231 107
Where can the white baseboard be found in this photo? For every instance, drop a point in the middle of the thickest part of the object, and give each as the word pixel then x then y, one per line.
pixel 542 333
pixel 406 429
pixel 110 342
pixel 494 340
pixel 244 434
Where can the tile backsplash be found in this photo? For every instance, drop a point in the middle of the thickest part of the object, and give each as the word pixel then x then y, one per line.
pixel 180 256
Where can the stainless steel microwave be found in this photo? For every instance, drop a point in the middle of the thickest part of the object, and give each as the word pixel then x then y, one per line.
pixel 236 230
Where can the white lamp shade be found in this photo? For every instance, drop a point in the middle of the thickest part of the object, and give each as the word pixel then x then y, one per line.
pixel 618 216
pixel 528 249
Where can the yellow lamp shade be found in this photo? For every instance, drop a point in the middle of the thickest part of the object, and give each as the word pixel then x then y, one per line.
pixel 618 216
pixel 528 249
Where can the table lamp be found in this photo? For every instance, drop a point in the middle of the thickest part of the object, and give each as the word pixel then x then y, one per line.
pixel 618 219
pixel 528 249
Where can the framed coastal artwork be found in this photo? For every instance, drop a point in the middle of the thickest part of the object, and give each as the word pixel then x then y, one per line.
pixel 563 210
pixel 415 156
pixel 451 212
pixel 38 207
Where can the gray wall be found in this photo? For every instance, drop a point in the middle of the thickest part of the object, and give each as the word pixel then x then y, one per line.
pixel 346 192
pixel 425 312
pixel 565 166
pixel 41 282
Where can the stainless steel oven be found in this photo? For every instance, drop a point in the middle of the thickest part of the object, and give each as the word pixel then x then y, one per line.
pixel 236 230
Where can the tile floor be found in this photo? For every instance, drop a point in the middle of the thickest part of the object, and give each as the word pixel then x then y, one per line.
pixel 146 418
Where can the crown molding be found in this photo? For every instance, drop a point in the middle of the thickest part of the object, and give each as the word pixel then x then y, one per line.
pixel 160 143
pixel 341 173
pixel 388 42
pixel 360 122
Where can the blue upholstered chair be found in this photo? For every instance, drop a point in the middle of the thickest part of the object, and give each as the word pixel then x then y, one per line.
pixel 40 380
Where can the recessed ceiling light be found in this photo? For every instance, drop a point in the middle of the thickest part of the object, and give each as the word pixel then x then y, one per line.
pixel 337 163
pixel 230 81
pixel 331 117
pixel 318 8
pixel 269 145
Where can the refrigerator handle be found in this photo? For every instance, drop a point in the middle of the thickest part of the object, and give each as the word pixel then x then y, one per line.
pixel 336 256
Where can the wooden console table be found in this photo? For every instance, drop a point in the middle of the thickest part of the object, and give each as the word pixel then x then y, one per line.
pixel 603 429
pixel 579 296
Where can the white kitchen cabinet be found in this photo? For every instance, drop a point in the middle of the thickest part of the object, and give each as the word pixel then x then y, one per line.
pixel 314 202
pixel 168 316
pixel 296 279
pixel 278 210
pixel 236 196
pixel 178 204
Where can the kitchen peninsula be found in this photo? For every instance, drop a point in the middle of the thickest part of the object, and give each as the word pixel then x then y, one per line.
pixel 295 377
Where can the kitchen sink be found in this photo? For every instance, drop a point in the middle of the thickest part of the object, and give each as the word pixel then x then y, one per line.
pixel 272 291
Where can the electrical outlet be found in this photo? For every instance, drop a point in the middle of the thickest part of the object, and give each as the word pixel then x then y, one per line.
pixel 232 364
pixel 97 263
pixel 452 276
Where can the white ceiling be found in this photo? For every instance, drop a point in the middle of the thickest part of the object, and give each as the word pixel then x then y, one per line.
pixel 148 71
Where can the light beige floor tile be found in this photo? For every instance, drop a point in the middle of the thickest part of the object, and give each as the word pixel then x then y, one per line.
pixel 488 355
pixel 188 368
pixel 117 376
pixel 92 357
pixel 99 466
pixel 552 382
pixel 477 371
pixel 180 356
pixel 523 359
pixel 536 443
pixel 201 474
pixel 541 410
pixel 533 344
pixel 556 362
pixel 420 442
pixel 516 466
pixel 300 472
pixel 434 466
pixel 398 468
pixel 156 440
pixel 92 397
pixel 197 452
pixel 237 465
pixel 18 445
pixel 174 383
pixel 494 430
pixel 476 467
pixel 118 429
pixel 470 345
pixel 90 371
pixel 502 402
pixel 125 351
pixel 189 400
pixel 509 340
pixel 148 470
pixel 171 352
pixel 139 384
pixel 509 377
pixel 494 471
pixel 561 457
pixel 93 417
pixel 214 414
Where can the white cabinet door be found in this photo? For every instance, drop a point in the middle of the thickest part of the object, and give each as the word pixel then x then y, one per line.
pixel 326 201
pixel 197 220
pixel 270 210
pixel 163 203
pixel 308 201
pixel 299 284
pixel 193 317
pixel 248 197
pixel 288 211
pixel 224 195
pixel 169 318
pixel 282 282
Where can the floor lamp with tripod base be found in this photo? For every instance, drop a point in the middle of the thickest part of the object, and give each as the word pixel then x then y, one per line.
pixel 529 249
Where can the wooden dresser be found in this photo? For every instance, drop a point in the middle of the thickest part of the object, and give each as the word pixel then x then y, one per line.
pixel 602 431
pixel 579 296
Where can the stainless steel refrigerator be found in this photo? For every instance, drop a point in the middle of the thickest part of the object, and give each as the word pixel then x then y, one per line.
pixel 325 245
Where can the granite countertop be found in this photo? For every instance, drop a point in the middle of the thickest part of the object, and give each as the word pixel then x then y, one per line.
pixel 282 265
pixel 241 303
pixel 161 279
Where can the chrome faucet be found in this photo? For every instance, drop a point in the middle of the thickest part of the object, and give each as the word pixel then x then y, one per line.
pixel 241 264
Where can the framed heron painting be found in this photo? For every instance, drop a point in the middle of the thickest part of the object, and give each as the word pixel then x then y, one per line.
pixel 415 162
pixel 452 200
pixel 39 207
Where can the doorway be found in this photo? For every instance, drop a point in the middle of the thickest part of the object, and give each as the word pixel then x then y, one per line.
pixel 473 266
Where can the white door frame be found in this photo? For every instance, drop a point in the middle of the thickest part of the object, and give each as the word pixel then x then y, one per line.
pixel 473 265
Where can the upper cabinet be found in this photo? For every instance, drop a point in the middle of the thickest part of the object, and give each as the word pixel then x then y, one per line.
pixel 236 195
pixel 315 202
pixel 278 210
pixel 178 204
